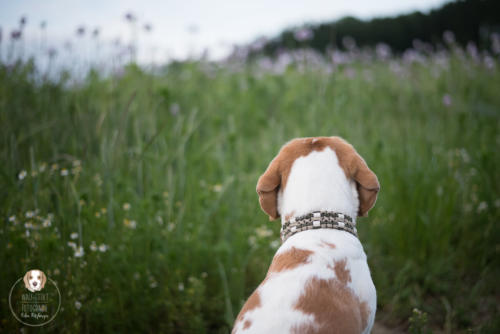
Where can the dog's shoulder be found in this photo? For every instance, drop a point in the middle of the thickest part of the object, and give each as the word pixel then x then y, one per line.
pixel 320 286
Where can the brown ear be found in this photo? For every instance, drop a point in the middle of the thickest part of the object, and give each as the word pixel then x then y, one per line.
pixel 25 279
pixel 267 188
pixel 367 184
pixel 44 279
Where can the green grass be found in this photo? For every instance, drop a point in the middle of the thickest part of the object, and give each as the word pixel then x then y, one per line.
pixel 189 176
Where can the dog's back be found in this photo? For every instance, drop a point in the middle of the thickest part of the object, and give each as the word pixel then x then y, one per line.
pixel 319 280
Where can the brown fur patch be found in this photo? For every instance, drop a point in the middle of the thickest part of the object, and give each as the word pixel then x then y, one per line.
pixel 252 303
pixel 247 324
pixel 328 244
pixel 343 274
pixel 334 306
pixel 289 260
pixel 290 215
pixel 276 175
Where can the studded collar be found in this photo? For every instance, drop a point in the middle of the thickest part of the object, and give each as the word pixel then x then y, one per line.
pixel 317 220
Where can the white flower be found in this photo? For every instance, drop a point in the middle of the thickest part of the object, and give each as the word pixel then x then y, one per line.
pixel 126 206
pixel 78 305
pixel 252 240
pixel 47 223
pixel 42 167
pixel 72 244
pixel 28 225
pixel 130 223
pixel 73 235
pixel 175 109
pixel 103 248
pixel 30 214
pixel 153 284
pixel 64 172
pixel 217 188
pixel 22 174
pixel 275 244
pixel 12 219
pixel 93 246
pixel 181 286
pixel 76 170
pixel 79 252
pixel 482 206
pixel 159 220
pixel 263 232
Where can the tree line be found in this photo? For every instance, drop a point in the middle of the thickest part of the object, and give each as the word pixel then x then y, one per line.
pixel 469 20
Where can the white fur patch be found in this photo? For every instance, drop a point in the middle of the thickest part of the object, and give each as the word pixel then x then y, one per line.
pixel 317 182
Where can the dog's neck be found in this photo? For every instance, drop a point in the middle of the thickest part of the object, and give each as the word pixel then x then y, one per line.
pixel 317 183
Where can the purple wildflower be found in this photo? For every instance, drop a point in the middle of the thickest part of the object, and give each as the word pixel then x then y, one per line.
pixel 472 51
pixel 52 53
pixel 130 17
pixel 349 43
pixel 447 100
pixel 80 31
pixel 449 37
pixel 495 43
pixel 383 51
pixel 489 62
pixel 15 34
pixel 303 34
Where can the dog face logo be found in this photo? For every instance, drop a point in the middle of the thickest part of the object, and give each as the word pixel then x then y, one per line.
pixel 34 280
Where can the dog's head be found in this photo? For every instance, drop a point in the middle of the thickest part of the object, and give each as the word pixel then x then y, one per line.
pixel 356 174
pixel 34 280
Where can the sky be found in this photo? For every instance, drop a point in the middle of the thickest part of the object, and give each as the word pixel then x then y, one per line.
pixel 184 28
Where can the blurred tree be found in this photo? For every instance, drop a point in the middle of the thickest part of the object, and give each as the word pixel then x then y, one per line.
pixel 469 20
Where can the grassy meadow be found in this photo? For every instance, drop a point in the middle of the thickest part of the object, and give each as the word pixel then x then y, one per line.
pixel 135 192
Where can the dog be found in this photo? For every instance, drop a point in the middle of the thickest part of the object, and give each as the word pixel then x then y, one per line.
pixel 34 280
pixel 319 280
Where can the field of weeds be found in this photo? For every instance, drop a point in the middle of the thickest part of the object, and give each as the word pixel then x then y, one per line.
pixel 135 191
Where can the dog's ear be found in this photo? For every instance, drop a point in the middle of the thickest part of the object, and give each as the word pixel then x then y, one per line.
pixel 267 188
pixel 44 279
pixel 367 184
pixel 26 279
pixel 356 168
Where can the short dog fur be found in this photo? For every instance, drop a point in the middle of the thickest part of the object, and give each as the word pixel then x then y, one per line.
pixel 319 280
